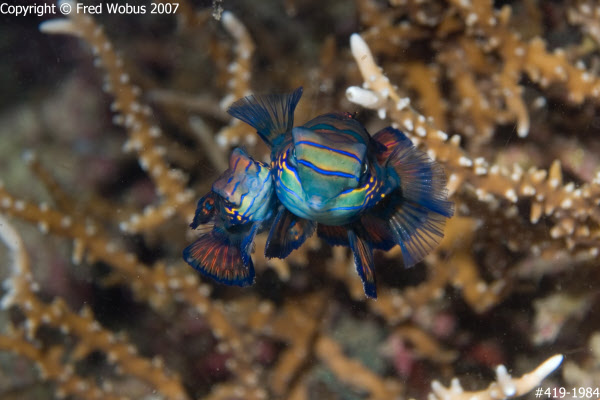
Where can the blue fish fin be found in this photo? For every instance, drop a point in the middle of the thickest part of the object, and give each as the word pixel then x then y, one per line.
pixel 363 258
pixel 271 115
pixel 416 212
pixel 205 210
pixel 248 242
pixel 417 230
pixel 288 232
pixel 422 179
pixel 333 235
pixel 215 255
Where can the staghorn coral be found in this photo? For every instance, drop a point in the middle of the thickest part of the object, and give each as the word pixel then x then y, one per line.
pixel 512 122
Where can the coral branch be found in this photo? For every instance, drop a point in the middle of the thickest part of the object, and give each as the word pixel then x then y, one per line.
pixel 505 386
pixel 135 116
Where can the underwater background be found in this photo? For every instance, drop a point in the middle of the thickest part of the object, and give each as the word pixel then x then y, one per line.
pixel 112 126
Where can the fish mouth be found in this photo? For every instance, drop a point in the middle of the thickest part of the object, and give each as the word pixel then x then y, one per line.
pixel 316 202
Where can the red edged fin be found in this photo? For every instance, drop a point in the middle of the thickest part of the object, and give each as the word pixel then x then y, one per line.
pixel 363 258
pixel 288 233
pixel 215 256
pixel 390 138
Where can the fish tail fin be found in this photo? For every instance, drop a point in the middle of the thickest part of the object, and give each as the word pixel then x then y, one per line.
pixel 363 258
pixel 271 115
pixel 288 233
pixel 216 255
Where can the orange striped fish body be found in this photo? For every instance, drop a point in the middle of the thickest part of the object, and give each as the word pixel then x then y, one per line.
pixel 239 204
pixel 246 189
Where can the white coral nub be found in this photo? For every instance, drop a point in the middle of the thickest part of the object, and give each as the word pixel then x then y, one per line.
pixel 505 386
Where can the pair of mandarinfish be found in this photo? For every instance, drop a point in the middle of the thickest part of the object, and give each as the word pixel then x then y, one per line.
pixel 327 175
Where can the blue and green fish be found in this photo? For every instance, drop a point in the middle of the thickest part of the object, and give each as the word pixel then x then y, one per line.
pixel 359 191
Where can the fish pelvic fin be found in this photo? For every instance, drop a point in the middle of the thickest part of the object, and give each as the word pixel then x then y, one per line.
pixel 271 115
pixel 377 230
pixel 363 258
pixel 288 233
pixel 217 256
pixel 333 235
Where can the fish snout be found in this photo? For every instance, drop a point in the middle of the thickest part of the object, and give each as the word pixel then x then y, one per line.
pixel 316 202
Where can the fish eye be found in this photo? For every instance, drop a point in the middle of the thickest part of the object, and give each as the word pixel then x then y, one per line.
pixel 365 167
pixel 292 157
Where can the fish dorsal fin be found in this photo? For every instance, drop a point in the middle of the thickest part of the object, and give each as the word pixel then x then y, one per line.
pixel 271 115
pixel 215 255
pixel 363 258
pixel 288 233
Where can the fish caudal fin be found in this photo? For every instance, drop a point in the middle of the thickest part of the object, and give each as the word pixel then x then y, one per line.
pixel 363 258
pixel 271 115
pixel 215 255
pixel 288 233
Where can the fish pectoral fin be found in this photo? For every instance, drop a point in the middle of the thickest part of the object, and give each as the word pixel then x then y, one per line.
pixel 417 230
pixel 422 179
pixel 389 138
pixel 205 210
pixel 217 256
pixel 363 258
pixel 288 233
pixel 248 242
pixel 271 115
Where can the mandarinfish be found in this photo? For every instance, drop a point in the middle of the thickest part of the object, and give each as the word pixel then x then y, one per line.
pixel 240 202
pixel 359 191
